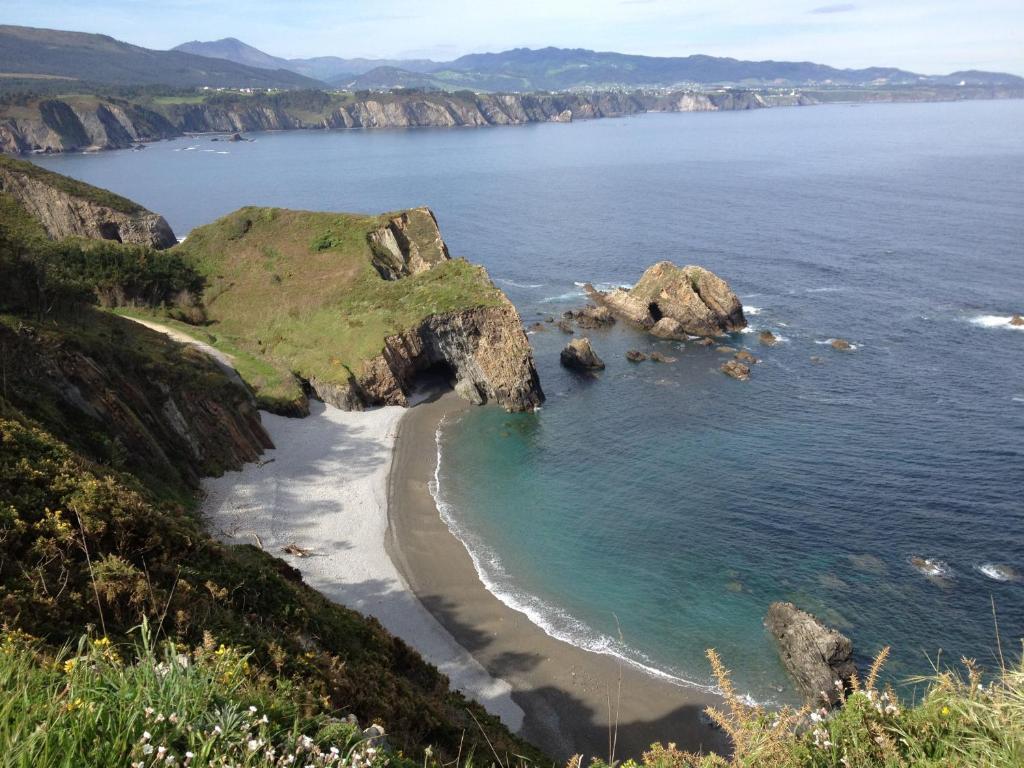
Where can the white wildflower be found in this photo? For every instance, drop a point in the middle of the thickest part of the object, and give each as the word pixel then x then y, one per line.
pixel 147 749
pixel 253 710
pixel 815 717
pixel 253 745
pixel 149 711
pixel 146 736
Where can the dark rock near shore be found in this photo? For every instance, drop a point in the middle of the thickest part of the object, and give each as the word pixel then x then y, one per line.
pixel 816 656
pixel 580 356
pixel 538 328
pixel 745 356
pixel 565 326
pixel 707 341
pixel 768 338
pixel 235 137
pixel 736 370
pixel 635 356
pixel 591 317
pixel 658 357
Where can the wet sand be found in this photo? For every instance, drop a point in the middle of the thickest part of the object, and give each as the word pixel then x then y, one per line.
pixel 569 695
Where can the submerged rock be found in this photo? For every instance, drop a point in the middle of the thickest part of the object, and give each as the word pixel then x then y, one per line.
pixel 580 356
pixel 816 656
pixel 538 328
pixel 635 356
pixel 565 326
pixel 999 572
pixel 658 357
pixel 707 341
pixel 736 370
pixel 841 344
pixel 745 356
pixel 768 338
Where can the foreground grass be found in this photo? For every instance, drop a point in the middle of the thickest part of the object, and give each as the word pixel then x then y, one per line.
pixel 959 721
pixel 169 705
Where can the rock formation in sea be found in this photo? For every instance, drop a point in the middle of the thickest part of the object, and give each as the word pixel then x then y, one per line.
pixel 676 302
pixel 580 356
pixel 591 317
pixel 841 344
pixel 736 370
pixel 635 356
pixel 67 208
pixel 1017 320
pixel 815 655
pixel 768 338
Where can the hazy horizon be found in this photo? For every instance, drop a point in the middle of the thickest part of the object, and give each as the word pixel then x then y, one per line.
pixel 926 37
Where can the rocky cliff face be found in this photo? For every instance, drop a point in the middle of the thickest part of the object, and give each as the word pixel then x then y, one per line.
pixel 408 244
pixel 676 302
pixel 63 126
pixel 131 394
pixel 484 351
pixel 815 655
pixel 67 208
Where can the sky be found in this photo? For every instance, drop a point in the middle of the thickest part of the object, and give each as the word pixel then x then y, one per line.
pixel 927 36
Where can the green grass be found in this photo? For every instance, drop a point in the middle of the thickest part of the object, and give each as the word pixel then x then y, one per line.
pixel 70 186
pixel 147 703
pixel 298 290
pixel 275 388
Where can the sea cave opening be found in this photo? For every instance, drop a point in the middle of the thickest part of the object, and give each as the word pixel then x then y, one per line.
pixel 655 312
pixel 431 382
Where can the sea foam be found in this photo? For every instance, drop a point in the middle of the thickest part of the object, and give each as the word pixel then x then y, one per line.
pixel 996 321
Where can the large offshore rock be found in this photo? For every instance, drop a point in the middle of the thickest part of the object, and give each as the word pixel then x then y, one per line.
pixel 815 655
pixel 696 301
pixel 580 356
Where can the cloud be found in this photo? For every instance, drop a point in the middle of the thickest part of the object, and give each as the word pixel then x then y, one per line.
pixel 836 8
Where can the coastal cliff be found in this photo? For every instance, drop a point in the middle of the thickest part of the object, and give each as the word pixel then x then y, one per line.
pixel 77 123
pixel 357 308
pixel 68 208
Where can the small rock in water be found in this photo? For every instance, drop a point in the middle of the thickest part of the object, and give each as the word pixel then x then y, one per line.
pixel 658 357
pixel 565 326
pixel 635 356
pixel 817 360
pixel 768 338
pixel 538 327
pixel 736 370
pixel 744 356
pixel 841 344
pixel 933 569
pixel 725 349
pixel 1017 320
pixel 579 355
pixel 549 319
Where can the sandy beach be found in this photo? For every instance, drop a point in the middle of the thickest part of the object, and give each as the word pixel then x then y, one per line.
pixel 569 695
pixel 323 489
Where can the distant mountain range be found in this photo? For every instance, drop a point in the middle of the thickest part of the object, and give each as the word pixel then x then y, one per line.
pixel 51 53
pixel 553 69
pixel 39 55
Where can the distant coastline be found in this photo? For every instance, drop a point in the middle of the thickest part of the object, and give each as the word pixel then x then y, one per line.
pixel 34 124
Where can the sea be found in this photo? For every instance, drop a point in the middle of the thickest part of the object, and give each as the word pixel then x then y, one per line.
pixel 655 510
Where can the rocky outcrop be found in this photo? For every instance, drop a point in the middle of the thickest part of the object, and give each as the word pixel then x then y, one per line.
pixel 1017 320
pixel 164 410
pixel 816 656
pixel 69 208
pixel 768 338
pixel 483 349
pixel 736 370
pixel 841 344
pixel 580 356
pixel 635 356
pixel 407 244
pixel 676 302
pixel 591 317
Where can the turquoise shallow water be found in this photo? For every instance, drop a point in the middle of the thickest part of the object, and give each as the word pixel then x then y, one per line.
pixel 655 511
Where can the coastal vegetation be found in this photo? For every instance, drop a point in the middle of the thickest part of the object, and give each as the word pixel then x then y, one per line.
pixel 132 636
pixel 105 429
